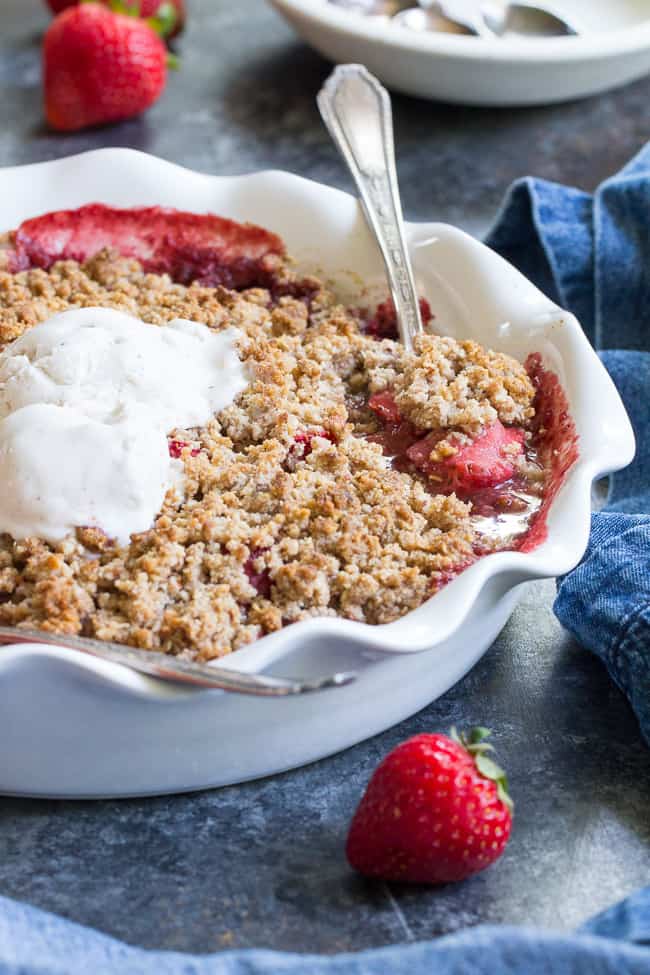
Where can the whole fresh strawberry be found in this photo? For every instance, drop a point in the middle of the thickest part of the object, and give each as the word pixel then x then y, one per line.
pixel 100 66
pixel 169 14
pixel 436 810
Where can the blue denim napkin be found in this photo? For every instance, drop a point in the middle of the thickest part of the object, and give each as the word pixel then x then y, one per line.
pixel 591 254
pixel 616 942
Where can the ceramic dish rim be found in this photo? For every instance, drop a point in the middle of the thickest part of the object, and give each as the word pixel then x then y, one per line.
pixel 411 629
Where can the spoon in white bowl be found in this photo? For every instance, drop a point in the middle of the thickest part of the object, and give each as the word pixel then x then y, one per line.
pixel 526 20
pixel 486 19
pixel 384 9
pixel 482 19
pixel 357 112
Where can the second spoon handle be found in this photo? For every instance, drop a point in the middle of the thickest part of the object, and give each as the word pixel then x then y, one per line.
pixel 356 110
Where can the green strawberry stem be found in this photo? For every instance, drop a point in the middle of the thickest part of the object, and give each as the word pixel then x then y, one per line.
pixel 162 23
pixel 475 743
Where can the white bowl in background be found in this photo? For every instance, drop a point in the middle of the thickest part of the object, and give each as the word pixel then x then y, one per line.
pixel 612 49
pixel 71 725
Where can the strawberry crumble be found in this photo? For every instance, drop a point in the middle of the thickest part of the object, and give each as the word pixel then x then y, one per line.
pixel 348 478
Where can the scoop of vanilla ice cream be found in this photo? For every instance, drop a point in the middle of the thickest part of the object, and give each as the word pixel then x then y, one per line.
pixel 60 469
pixel 100 359
pixel 86 401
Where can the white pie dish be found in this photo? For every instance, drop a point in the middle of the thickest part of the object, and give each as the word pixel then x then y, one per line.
pixel 612 49
pixel 75 726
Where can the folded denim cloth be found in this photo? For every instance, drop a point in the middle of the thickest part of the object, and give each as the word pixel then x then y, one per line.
pixel 592 256
pixel 614 943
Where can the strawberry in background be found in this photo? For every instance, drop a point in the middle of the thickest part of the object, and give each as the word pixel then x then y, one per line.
pixel 100 67
pixel 168 12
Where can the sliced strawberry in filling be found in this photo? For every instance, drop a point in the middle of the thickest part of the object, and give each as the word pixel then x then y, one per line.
pixel 187 246
pixel 485 462
pixel 384 405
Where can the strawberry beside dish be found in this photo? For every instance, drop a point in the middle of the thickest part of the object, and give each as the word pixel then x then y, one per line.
pixel 435 811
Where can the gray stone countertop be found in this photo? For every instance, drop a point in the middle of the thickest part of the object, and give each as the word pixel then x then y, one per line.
pixel 262 864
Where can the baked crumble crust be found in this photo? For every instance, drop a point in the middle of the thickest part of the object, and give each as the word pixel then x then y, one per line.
pixel 288 512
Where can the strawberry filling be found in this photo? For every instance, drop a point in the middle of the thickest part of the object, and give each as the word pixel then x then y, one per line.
pixel 484 471
pixel 302 445
pixel 189 247
pixel 176 448
pixel 395 440
pixel 398 434
pixel 385 407
pixel 557 438
pixel 383 324
pixel 485 462
pixel 260 581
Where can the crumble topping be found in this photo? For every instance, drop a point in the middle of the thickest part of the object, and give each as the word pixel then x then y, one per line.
pixel 461 384
pixel 289 510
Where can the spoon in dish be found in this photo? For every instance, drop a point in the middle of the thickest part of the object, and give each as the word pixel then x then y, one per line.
pixel 175 670
pixel 356 109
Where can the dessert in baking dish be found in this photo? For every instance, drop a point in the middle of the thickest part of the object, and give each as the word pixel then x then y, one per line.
pixel 199 446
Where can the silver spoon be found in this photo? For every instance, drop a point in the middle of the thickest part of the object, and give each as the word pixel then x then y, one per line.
pixel 482 19
pixel 177 671
pixel 489 19
pixel 464 14
pixel 373 8
pixel 526 19
pixel 357 112
pixel 424 20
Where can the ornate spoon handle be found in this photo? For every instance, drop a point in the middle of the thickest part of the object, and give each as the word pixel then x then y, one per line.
pixel 356 110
